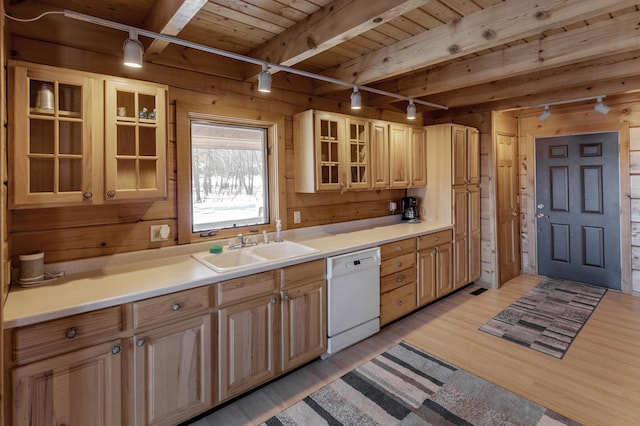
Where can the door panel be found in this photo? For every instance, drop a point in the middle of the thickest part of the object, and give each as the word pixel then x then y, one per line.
pixel 578 208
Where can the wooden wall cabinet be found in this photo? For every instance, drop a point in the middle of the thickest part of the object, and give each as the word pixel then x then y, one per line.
pixel 435 262
pixel 332 152
pixel 397 279
pixel 407 156
pixel 69 146
pixel 172 348
pixel 379 135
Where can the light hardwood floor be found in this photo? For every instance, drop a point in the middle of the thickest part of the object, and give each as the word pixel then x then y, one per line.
pixel 596 383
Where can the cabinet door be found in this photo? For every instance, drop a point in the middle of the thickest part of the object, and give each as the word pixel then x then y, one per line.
pixel 418 157
pixel 473 156
pixel 173 372
pixel 444 269
pixel 427 276
pixel 460 236
pixel 398 156
pixel 379 135
pixel 459 153
pixel 247 345
pixel 79 388
pixel 330 140
pixel 304 333
pixel 135 141
pixel 50 138
pixel 358 156
pixel 474 234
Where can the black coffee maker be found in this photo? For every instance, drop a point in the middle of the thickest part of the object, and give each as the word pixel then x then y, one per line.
pixel 410 209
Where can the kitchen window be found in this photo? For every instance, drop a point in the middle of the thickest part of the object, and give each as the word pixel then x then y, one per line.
pixel 227 170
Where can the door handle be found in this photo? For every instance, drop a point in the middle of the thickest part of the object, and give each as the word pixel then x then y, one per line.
pixel 541 215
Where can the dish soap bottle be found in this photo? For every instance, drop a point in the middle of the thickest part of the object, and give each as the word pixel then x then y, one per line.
pixel 278 237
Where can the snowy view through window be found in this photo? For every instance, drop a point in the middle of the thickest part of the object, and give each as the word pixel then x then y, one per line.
pixel 228 176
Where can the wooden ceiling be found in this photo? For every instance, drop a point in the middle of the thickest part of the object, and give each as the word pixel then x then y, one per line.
pixel 460 53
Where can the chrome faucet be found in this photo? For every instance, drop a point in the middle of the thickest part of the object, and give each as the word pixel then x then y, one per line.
pixel 242 242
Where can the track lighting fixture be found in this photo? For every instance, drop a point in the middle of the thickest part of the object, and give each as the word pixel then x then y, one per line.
pixel 264 80
pixel 356 99
pixel 411 110
pixel 545 114
pixel 133 50
pixel 600 106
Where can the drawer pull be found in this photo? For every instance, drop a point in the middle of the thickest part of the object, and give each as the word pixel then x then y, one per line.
pixel 437 238
pixel 273 301
pixel 116 350
pixel 71 333
pixel 175 307
pixel 399 264
pixel 140 342
pixel 285 296
pixel 398 249
pixel 399 279
pixel 399 302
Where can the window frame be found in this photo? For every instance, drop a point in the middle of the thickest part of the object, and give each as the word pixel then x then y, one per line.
pixel 273 123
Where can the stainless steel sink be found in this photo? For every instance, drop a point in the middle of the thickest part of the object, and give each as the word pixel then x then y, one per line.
pixel 231 260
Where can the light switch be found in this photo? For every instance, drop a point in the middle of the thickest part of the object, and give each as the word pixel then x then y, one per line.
pixel 296 217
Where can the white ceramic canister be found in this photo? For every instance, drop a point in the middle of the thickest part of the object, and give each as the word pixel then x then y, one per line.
pixel 32 266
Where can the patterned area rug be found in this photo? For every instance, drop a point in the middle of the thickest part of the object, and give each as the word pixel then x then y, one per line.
pixel 549 317
pixel 405 386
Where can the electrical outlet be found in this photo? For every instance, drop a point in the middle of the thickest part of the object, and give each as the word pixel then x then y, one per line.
pixel 159 233
pixel 392 206
pixel 296 217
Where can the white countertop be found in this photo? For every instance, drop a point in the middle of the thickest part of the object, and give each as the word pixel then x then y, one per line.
pixel 112 280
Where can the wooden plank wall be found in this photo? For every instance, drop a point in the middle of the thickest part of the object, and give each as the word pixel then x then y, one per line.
pixel 89 231
pixel 581 118
pixel 4 243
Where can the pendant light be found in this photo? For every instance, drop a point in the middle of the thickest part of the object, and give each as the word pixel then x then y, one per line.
pixel 133 51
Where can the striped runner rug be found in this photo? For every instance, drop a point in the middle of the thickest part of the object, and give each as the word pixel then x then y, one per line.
pixel 549 317
pixel 406 386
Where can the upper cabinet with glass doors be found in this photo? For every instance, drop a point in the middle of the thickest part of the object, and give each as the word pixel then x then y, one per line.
pixel 332 152
pixel 51 127
pixel 135 140
pixel 79 139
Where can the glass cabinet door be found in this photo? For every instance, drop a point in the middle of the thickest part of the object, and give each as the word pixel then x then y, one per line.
pixel 329 142
pixel 135 141
pixel 51 138
pixel 358 153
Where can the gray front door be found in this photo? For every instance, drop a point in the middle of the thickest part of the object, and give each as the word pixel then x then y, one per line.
pixel 578 208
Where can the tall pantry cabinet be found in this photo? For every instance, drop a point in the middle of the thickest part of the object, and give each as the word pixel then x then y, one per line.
pixel 453 156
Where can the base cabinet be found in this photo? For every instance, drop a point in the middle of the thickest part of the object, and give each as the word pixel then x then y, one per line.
pixel 435 262
pixel 397 279
pixel 83 387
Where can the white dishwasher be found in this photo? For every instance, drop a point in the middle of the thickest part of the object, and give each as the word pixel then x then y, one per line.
pixel 353 292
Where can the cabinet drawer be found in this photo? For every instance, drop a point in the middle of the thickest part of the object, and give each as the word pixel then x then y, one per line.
pixel 398 279
pixel 432 240
pixel 397 303
pixel 244 288
pixel 66 334
pixel 301 273
pixel 398 263
pixel 398 248
pixel 171 306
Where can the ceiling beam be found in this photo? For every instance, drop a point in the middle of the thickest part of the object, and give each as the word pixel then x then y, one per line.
pixel 497 25
pixel 605 38
pixel 169 17
pixel 329 26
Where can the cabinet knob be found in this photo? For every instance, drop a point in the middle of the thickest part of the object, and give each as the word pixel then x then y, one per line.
pixel 399 279
pixel 399 303
pixel 175 307
pixel 436 238
pixel 399 264
pixel 398 249
pixel 71 333
pixel 140 342
pixel 285 296
pixel 116 350
pixel 273 300
pixel 111 193
pixel 87 195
